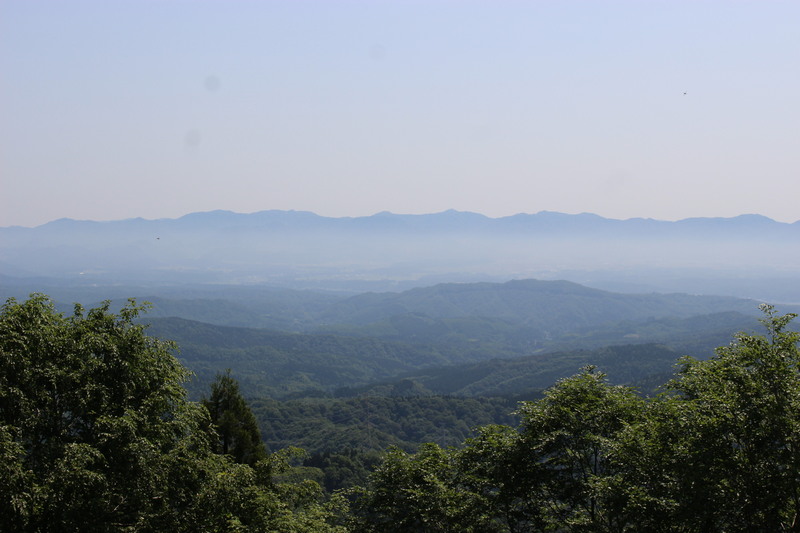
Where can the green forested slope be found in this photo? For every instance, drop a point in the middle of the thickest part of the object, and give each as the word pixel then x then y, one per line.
pixel 278 364
pixel 718 453
pixel 346 437
pixel 97 434
pixel 519 377
pixel 553 306
pixel 271 363
pixel 375 423
pixel 544 307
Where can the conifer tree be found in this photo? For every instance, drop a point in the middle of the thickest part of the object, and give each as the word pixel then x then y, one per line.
pixel 234 422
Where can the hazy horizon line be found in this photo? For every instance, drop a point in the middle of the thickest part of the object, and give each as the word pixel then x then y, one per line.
pixel 392 213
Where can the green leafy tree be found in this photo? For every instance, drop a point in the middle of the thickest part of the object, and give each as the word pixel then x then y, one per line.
pixel 96 434
pixel 92 404
pixel 720 451
pixel 498 467
pixel 420 492
pixel 567 437
pixel 234 422
pixel 548 475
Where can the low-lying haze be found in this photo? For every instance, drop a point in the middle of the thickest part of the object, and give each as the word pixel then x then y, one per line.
pixel 745 256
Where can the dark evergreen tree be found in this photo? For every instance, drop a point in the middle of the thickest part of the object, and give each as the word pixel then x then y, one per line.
pixel 234 422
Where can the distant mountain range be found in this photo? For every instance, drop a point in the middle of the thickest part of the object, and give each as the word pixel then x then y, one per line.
pixel 748 255
pixel 547 222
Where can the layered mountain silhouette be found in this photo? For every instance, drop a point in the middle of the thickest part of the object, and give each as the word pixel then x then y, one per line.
pixel 302 249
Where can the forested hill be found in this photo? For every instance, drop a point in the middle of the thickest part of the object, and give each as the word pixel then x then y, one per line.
pixel 547 305
pixel 424 312
pixel 523 378
pixel 320 342
pixel 357 341
pixel 269 363
pixel 281 365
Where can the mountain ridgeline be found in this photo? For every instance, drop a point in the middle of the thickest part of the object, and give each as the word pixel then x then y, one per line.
pixel 748 255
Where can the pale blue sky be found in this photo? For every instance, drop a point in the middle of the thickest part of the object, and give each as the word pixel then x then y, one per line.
pixel 118 109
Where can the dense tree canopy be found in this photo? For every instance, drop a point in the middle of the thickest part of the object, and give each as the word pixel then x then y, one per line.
pixel 718 451
pixel 539 477
pixel 96 435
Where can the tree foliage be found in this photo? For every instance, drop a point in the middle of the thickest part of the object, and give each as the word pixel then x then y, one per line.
pixel 718 451
pixel 234 422
pixel 421 492
pixel 540 476
pixel 96 435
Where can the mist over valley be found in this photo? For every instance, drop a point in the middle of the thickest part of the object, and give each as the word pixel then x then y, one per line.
pixel 746 256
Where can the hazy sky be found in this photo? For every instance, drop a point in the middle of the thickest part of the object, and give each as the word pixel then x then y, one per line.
pixel 671 109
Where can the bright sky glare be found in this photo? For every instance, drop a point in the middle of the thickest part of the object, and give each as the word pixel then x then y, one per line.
pixel 662 109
